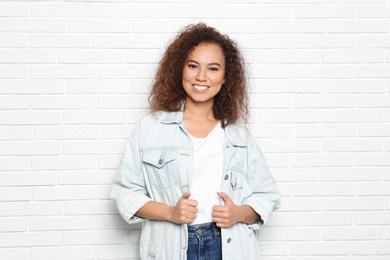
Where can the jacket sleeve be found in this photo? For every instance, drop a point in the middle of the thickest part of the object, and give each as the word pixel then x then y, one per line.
pixel 265 197
pixel 128 189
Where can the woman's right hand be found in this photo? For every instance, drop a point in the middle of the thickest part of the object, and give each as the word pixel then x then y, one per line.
pixel 185 210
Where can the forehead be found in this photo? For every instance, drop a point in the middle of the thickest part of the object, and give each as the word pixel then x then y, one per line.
pixel 207 51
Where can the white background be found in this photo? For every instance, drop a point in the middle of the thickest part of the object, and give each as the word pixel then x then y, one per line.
pixel 75 76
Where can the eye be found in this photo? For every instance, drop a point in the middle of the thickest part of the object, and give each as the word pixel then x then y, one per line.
pixel 192 66
pixel 213 68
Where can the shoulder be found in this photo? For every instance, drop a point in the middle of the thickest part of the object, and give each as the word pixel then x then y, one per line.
pixel 238 134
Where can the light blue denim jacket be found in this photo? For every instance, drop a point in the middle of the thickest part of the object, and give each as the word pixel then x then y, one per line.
pixel 157 165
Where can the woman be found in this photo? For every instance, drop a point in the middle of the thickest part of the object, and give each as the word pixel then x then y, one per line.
pixel 190 173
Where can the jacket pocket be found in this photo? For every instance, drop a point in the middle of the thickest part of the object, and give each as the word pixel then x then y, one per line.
pixel 162 166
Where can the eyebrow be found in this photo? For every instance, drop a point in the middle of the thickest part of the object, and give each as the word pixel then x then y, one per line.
pixel 209 64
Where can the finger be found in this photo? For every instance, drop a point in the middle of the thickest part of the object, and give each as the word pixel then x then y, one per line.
pixel 217 208
pixel 186 195
pixel 225 197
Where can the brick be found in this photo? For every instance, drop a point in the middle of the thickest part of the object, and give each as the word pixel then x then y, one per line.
pixel 325 130
pixel 126 71
pixel 372 159
pixel 85 177
pixel 120 132
pixel 121 41
pixel 322 160
pixel 287 116
pixel 13 225
pixel 99 25
pixel 353 204
pixel 357 26
pixel 15 86
pixel 261 11
pixel 64 10
pixel 30 148
pixel 236 27
pixel 352 145
pixel 270 71
pixel 371 218
pixel 373 41
pixel 61 223
pixel 95 237
pixel 294 26
pixel 100 86
pixel 352 116
pixel 290 86
pixel 272 130
pixel 300 204
pixel 264 41
pixel 10 163
pixel 30 239
pixel 15 194
pixel 64 193
pixel 352 56
pixel 132 11
pixel 270 249
pixel 324 11
pixel 29 117
pixel 93 207
pixel 374 189
pixel 350 174
pixel 374 130
pixel 324 101
pixel 290 145
pixel 63 163
pixel 14 10
pixel 31 209
pixel 14 253
pixel 321 219
pixel 373 11
pixel 66 132
pixel 279 219
pixel 63 253
pixel 114 222
pixel 373 100
pixel 159 25
pixel 371 248
pixel 33 25
pixel 108 162
pixel 25 178
pixel 288 56
pixel 372 71
pixel 137 56
pixel 327 41
pixel 295 175
pixel 11 71
pixel 62 71
pixel 15 102
pixel 290 233
pixel 90 57
pixel 322 71
pixel 197 11
pixel 352 233
pixel 355 1
pixel 94 117
pixel 118 251
pixel 93 147
pixel 324 189
pixel 354 86
pixel 64 102
pixel 62 41
pixel 105 192
pixel 13 40
pixel 123 101
pixel 270 101
pixel 319 248
pixel 27 56
pixel 16 133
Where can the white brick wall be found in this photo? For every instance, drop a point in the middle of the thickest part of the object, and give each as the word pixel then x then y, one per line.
pixel 75 76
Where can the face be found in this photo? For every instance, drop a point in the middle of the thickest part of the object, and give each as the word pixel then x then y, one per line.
pixel 203 73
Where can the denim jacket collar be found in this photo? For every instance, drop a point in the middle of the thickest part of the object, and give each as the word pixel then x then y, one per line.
pixel 233 133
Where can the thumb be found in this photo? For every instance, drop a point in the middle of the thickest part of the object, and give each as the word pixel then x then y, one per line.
pixel 225 197
pixel 186 195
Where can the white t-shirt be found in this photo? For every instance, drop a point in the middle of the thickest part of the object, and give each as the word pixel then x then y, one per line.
pixel 207 173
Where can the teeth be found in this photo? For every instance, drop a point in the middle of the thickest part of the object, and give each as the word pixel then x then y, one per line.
pixel 200 87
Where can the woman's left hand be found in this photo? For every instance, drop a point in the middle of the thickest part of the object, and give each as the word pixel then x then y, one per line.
pixel 229 214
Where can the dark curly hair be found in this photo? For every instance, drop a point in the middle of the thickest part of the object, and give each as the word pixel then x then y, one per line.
pixel 167 94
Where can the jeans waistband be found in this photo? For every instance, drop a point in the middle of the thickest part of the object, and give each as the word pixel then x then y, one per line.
pixel 201 228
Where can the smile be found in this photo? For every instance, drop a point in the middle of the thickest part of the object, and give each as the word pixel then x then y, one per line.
pixel 200 88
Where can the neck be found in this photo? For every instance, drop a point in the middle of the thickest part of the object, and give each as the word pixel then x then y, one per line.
pixel 198 111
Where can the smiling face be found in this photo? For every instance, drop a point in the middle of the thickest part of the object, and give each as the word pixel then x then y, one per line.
pixel 203 74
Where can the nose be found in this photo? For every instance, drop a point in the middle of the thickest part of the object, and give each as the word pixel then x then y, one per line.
pixel 201 75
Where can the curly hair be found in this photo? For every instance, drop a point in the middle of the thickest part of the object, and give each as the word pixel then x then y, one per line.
pixel 167 93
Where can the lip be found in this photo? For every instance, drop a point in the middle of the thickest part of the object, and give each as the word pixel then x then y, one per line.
pixel 200 88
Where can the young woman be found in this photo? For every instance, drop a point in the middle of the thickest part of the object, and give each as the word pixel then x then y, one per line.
pixel 190 173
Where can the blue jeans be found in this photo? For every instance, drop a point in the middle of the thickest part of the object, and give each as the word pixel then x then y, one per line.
pixel 204 242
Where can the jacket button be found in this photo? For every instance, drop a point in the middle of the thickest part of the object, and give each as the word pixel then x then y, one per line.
pixel 226 177
pixel 229 240
pixel 160 161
